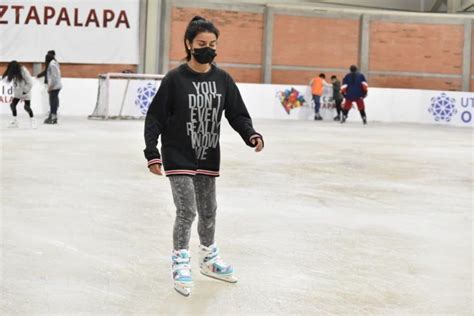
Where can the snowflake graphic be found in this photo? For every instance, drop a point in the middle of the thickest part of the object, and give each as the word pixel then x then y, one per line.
pixel 443 107
pixel 144 97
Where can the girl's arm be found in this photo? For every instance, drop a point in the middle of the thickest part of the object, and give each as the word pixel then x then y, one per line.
pixel 155 122
pixel 238 116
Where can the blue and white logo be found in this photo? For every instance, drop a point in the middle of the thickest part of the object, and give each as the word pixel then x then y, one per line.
pixel 144 97
pixel 443 108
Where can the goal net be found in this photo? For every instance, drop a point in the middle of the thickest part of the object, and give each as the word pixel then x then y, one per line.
pixel 125 96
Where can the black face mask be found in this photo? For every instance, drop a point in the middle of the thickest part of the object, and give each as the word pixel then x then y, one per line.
pixel 204 55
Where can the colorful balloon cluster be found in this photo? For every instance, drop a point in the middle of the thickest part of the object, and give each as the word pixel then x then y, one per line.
pixel 291 99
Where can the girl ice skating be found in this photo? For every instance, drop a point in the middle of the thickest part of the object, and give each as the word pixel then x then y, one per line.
pixel 53 81
pixel 187 112
pixel 22 82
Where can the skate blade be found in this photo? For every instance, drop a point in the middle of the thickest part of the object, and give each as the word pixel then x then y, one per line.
pixel 228 279
pixel 183 290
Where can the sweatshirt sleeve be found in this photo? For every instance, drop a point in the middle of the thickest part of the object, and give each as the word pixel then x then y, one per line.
pixel 326 84
pixel 28 79
pixel 41 74
pixel 237 114
pixel 155 122
pixel 54 77
pixel 365 86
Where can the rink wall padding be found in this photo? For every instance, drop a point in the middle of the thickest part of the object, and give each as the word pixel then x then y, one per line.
pixel 272 101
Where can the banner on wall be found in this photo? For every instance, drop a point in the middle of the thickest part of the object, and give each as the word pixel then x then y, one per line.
pixel 79 97
pixel 79 31
pixel 296 102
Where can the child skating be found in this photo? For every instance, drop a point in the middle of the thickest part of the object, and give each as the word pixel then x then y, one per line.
pixel 22 83
pixel 53 79
pixel 186 112
pixel 354 89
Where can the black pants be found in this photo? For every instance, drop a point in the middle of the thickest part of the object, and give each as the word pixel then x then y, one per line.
pixel 54 101
pixel 338 106
pixel 27 106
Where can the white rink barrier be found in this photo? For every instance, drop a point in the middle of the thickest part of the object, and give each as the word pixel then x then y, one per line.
pixel 78 97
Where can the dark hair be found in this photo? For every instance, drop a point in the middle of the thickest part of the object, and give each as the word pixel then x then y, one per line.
pixel 196 26
pixel 353 70
pixel 13 72
pixel 333 77
pixel 48 58
pixel 322 76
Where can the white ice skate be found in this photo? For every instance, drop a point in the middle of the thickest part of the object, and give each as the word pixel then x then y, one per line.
pixel 181 271
pixel 213 266
pixel 33 124
pixel 13 124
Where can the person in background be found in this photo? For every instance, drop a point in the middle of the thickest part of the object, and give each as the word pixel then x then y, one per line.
pixel 53 78
pixel 337 96
pixel 44 72
pixel 354 89
pixel 317 87
pixel 22 83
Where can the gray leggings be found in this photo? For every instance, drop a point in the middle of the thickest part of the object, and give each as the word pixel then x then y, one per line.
pixel 193 194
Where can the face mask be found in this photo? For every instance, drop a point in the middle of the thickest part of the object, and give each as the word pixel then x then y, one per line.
pixel 204 55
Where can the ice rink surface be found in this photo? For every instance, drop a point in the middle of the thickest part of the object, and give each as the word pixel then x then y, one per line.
pixel 349 219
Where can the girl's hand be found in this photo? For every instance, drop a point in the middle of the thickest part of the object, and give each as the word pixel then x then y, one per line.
pixel 156 169
pixel 258 144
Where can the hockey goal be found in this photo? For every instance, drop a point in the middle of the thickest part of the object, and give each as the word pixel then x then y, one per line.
pixel 124 95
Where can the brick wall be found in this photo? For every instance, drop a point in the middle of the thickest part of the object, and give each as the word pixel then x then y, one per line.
pixel 304 46
pixel 416 48
pixel 434 48
pixel 411 82
pixel 315 41
pixel 301 77
pixel 330 45
pixel 240 41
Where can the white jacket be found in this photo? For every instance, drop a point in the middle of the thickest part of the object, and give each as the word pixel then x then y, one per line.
pixel 54 76
pixel 22 88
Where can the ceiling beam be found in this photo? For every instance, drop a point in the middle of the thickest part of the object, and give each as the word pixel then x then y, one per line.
pixel 454 6
pixel 467 4
pixel 437 5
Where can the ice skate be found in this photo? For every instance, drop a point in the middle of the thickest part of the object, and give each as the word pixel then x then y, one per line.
pixel 47 120
pixel 213 266
pixel 181 271
pixel 343 119
pixel 13 123
pixel 364 120
pixel 337 118
pixel 52 119
pixel 33 123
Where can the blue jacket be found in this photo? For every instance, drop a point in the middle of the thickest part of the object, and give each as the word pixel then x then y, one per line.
pixel 354 86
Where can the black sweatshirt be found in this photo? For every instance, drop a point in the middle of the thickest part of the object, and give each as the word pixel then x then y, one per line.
pixel 186 111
